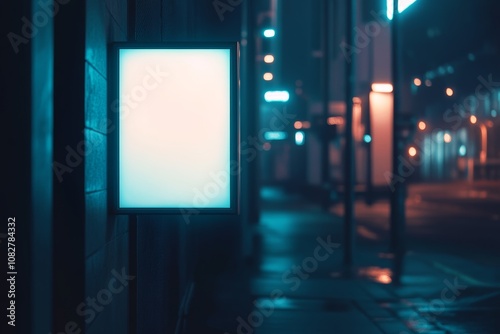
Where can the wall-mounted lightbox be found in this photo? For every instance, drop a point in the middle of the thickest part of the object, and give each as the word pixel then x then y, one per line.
pixel 175 142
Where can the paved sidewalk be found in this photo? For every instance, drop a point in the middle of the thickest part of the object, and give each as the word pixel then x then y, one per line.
pixel 296 284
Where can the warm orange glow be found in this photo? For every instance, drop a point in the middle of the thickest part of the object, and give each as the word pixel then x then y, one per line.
pixel 298 125
pixel 422 126
pixel 376 274
pixel 382 88
pixel 357 125
pixel 381 119
pixel 412 151
pixel 335 121
pixel 356 100
pixel 306 125
pixel 484 144
pixel 269 59
pixel 473 119
pixel 417 82
pixel 449 92
pixel 268 76
pixel 447 138
pixel 384 279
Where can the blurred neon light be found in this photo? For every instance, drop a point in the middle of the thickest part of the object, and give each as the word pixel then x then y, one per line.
pixel 277 96
pixel 300 138
pixel 268 33
pixel 462 151
pixel 403 5
pixel 336 120
pixel 382 88
pixel 447 138
pixel 269 59
pixel 367 138
pixel 268 76
pixel 412 151
pixel 275 135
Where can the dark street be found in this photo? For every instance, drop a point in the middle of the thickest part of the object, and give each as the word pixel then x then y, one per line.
pixel 250 167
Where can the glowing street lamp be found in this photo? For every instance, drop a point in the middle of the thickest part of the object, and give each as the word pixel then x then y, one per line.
pixel 382 88
pixel 412 151
pixel 277 96
pixel 447 138
pixel 269 33
pixel 269 59
pixel 268 76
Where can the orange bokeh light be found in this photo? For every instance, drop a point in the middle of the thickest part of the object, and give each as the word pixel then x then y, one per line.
pixel 412 151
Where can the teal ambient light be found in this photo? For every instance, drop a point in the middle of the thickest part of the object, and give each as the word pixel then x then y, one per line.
pixel 177 139
pixel 403 5
pixel 275 135
pixel 269 33
pixel 277 96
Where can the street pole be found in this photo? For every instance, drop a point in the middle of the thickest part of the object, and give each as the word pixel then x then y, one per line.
pixel 369 197
pixel 398 195
pixel 325 147
pixel 350 82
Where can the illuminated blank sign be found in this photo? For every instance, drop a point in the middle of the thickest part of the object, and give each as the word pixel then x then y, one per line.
pixel 176 141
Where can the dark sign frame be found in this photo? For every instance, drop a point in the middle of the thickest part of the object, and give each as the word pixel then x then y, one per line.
pixel 114 117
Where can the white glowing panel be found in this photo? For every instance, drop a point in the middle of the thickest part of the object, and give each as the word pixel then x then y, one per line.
pixel 381 118
pixel 174 128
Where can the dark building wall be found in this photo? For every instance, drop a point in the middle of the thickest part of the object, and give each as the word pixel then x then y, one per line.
pixel 26 106
pixel 106 236
pixel 91 247
pixel 75 257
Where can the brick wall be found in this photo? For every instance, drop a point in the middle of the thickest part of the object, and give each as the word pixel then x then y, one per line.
pixel 106 236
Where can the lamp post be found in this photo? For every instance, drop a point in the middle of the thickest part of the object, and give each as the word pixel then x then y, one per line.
pixel 398 195
pixel 483 154
pixel 350 85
